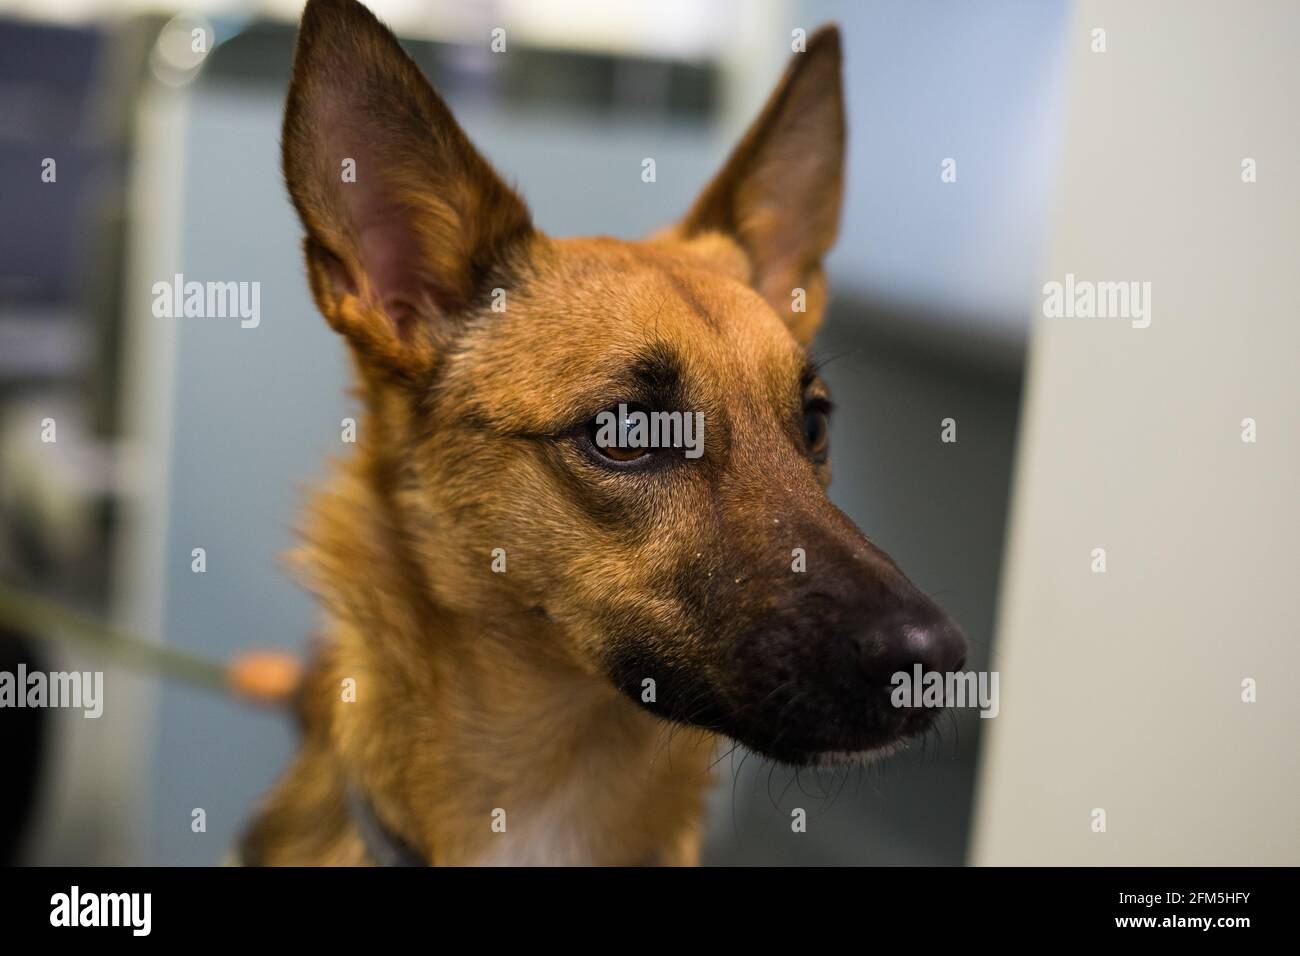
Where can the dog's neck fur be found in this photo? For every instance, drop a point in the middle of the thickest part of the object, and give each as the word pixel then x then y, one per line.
pixel 460 727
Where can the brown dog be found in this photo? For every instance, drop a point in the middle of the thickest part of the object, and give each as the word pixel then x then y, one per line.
pixel 519 613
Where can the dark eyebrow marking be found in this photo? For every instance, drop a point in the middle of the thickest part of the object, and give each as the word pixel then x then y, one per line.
pixel 811 373
pixel 654 379
pixel 655 376
pixel 687 295
pixel 807 376
pixel 810 376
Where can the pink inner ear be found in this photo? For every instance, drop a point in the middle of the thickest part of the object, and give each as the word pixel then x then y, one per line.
pixel 387 241
pixel 390 255
pixel 387 251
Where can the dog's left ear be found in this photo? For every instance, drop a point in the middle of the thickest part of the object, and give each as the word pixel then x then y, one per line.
pixel 405 220
pixel 778 196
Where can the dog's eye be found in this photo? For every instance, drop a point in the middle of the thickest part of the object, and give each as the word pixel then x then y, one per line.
pixel 618 438
pixel 623 454
pixel 817 432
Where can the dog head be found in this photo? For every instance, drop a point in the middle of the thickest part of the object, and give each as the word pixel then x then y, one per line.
pixel 713 582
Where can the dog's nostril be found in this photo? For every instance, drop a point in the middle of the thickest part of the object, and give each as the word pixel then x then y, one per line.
pixel 903 644
pixel 939 646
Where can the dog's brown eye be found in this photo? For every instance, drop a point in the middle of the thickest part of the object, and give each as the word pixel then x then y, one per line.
pixel 616 434
pixel 817 432
pixel 623 454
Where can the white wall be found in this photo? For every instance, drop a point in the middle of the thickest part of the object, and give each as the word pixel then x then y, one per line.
pixel 1121 690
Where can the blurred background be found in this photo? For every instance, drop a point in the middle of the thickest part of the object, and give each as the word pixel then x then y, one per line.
pixel 1124 164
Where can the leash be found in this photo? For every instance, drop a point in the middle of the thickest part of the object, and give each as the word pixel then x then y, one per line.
pixel 268 678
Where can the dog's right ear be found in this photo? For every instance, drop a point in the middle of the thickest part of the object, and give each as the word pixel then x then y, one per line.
pixel 405 220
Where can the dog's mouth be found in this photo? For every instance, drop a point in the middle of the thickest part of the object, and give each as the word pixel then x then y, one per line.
pixel 834 734
pixel 833 759
pixel 795 724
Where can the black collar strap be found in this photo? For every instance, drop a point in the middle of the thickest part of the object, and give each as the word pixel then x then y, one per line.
pixel 383 846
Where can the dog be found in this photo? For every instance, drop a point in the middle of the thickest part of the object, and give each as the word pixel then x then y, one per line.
pixel 535 639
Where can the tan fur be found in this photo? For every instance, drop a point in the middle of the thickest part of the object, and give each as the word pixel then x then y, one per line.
pixel 478 691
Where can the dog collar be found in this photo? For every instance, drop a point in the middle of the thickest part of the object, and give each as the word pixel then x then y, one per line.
pixel 383 846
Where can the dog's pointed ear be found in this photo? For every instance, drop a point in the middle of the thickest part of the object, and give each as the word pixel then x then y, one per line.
pixel 405 220
pixel 778 196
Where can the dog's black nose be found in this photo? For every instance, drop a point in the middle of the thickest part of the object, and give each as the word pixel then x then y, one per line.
pixel 904 639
